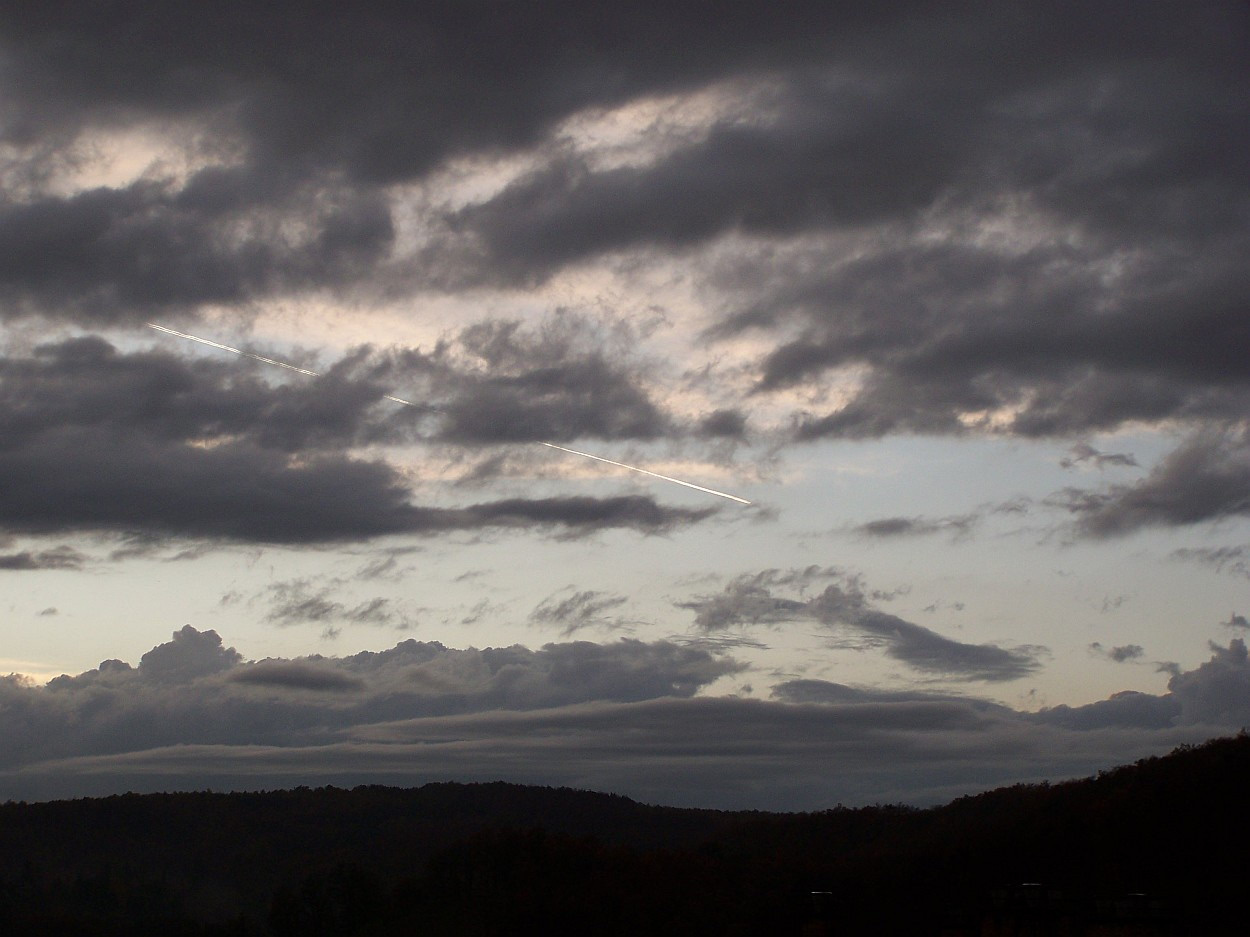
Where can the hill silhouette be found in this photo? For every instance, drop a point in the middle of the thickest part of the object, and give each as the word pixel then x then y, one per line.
pixel 1140 849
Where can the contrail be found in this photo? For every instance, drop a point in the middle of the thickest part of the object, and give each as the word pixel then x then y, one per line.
pixel 248 354
pixel 409 403
pixel 667 478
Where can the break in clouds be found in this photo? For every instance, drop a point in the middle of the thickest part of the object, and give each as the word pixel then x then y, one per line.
pixel 624 716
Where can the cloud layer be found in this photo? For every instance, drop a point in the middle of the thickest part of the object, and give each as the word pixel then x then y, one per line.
pixel 623 716
pixel 980 218
pixel 95 440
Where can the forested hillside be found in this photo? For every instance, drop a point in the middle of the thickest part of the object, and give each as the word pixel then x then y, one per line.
pixel 1135 850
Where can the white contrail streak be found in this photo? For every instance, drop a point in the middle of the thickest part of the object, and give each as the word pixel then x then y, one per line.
pixel 667 478
pixel 409 403
pixel 248 354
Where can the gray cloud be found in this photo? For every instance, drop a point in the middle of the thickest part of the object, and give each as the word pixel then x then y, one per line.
pixel 981 209
pixel 189 655
pixel 299 601
pixel 579 610
pixel 1082 452
pixel 61 557
pixel 1125 652
pixel 1206 478
pixel 500 382
pixel 956 525
pixel 1218 691
pixel 1234 559
pixel 919 647
pixel 959 526
pixel 111 254
pixel 145 446
pixel 618 717
pixel 315 133
pixel 295 675
pixel 750 600
pixel 193 690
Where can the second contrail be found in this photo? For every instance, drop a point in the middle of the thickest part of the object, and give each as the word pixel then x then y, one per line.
pixel 409 403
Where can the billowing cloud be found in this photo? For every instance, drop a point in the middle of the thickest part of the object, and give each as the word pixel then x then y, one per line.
pixel 189 655
pixel 751 600
pixel 622 716
pixel 1219 690
pixel 193 690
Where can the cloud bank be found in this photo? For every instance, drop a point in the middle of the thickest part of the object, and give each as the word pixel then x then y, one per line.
pixel 625 716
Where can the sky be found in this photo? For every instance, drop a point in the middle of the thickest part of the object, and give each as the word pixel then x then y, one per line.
pixel 954 294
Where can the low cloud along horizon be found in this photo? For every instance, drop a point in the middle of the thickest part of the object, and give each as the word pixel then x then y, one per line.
pixel 621 716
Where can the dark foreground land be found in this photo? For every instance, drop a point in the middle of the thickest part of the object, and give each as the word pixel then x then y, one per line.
pixel 1143 849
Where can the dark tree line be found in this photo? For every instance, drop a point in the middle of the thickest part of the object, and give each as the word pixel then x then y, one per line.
pixel 1136 850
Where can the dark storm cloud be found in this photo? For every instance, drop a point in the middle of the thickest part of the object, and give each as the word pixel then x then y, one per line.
pixel 998 217
pixel 114 254
pixel 619 717
pixel 1206 478
pixel 751 600
pixel 1123 302
pixel 498 381
pixel 87 384
pixel 146 445
pixel 1111 156
pixel 952 333
pixel 319 107
pixel 385 91
pixel 896 127
pixel 493 382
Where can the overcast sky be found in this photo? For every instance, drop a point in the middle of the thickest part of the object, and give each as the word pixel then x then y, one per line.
pixel 955 294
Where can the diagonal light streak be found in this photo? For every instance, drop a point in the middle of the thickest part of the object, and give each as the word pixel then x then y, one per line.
pixel 409 403
pixel 262 358
pixel 643 471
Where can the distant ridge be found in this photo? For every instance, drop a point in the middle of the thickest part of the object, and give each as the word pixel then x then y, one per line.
pixel 1140 842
